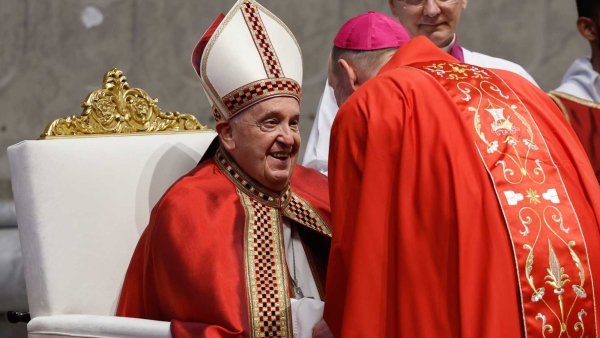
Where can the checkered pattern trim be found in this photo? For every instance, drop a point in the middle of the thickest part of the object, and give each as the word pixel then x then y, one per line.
pixel 216 113
pixel 248 185
pixel 254 92
pixel 262 40
pixel 266 273
pixel 302 212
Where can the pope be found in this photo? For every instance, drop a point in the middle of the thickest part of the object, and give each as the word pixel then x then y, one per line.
pixel 239 246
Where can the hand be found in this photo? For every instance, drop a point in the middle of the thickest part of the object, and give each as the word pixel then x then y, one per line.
pixel 321 330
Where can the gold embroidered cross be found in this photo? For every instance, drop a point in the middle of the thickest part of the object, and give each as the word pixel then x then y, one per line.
pixel 533 196
pixel 458 70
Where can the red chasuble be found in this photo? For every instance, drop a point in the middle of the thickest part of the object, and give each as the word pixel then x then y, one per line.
pixel 462 206
pixel 584 117
pixel 212 259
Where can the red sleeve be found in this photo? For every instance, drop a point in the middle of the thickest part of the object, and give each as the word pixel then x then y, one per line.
pixel 187 265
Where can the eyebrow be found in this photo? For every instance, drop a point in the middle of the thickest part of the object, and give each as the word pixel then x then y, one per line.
pixel 277 112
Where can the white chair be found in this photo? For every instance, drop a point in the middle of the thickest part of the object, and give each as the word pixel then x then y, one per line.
pixel 12 282
pixel 83 202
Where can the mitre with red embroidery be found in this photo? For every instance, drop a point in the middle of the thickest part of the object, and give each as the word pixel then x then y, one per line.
pixel 246 57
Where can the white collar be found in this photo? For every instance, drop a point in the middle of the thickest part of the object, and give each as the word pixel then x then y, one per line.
pixel 581 80
pixel 448 48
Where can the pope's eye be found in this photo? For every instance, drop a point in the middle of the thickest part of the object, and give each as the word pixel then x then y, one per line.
pixel 270 122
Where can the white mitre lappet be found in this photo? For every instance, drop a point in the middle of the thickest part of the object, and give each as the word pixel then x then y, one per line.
pixel 245 57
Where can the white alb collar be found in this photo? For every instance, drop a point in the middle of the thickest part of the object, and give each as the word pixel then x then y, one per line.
pixel 448 48
pixel 581 80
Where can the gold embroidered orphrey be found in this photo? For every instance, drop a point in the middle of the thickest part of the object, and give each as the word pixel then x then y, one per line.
pixel 552 262
pixel 267 278
pixel 261 39
pixel 119 109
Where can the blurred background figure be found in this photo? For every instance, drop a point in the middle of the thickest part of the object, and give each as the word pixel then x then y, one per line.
pixel 438 20
pixel 54 53
pixel 579 93
pixel 581 79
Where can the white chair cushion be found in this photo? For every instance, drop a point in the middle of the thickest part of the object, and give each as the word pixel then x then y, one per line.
pixel 82 204
pixel 97 327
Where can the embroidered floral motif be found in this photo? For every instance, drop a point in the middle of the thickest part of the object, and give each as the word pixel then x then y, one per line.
pixel 534 198
pixel 513 198
pixel 520 165
pixel 552 196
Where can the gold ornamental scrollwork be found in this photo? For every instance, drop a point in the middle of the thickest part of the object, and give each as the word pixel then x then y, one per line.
pixel 119 109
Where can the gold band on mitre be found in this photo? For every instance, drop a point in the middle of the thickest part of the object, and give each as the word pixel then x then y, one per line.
pixel 255 92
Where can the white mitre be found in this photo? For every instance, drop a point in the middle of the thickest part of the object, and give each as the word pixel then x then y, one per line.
pixel 246 57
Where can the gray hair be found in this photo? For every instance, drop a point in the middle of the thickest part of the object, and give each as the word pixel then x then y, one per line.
pixel 367 63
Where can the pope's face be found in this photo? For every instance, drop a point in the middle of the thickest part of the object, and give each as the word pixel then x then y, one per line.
pixel 265 140
pixel 435 19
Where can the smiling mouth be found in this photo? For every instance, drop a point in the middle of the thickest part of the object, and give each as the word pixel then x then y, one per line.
pixel 280 156
pixel 432 24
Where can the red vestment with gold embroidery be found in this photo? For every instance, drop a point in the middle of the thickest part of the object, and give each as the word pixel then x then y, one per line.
pixel 584 117
pixel 212 258
pixel 462 206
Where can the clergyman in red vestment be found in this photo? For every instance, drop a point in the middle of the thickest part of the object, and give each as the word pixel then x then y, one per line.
pixel 462 206
pixel 239 246
pixel 578 96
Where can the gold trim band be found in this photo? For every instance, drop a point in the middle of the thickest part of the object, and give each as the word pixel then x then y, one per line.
pixel 576 99
pixel 261 39
pixel 257 91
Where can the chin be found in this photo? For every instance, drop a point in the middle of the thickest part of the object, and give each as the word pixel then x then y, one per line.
pixel 436 33
pixel 279 181
pixel 441 38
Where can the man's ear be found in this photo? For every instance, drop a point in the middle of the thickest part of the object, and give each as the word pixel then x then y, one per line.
pixel 394 7
pixel 464 4
pixel 225 131
pixel 349 74
pixel 587 29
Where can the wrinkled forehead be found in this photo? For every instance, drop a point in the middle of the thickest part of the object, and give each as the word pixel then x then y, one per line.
pixel 280 106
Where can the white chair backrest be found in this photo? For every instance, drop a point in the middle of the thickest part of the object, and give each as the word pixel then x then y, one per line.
pixel 82 204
